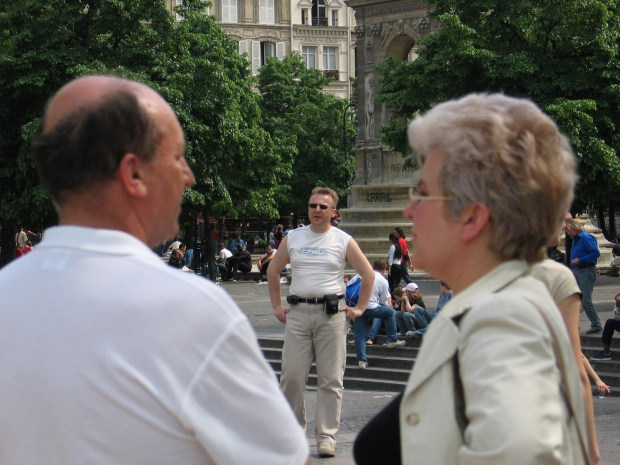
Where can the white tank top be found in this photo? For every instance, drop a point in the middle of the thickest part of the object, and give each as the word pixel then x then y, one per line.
pixel 318 261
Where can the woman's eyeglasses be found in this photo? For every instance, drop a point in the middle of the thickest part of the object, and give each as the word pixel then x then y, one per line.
pixel 415 196
pixel 320 205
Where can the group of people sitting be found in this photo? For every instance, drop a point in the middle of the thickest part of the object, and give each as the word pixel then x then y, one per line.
pixel 403 312
pixel 228 265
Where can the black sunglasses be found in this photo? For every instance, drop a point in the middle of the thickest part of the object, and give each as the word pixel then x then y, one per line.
pixel 320 205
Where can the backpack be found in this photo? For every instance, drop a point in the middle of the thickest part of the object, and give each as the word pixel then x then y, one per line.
pixel 352 294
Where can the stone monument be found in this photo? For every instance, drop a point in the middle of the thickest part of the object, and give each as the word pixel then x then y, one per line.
pixel 385 28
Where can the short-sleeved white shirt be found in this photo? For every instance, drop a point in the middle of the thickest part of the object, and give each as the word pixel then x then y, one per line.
pixel 115 357
pixel 224 254
pixel 318 261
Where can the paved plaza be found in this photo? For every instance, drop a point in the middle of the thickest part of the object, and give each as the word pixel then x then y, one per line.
pixel 359 407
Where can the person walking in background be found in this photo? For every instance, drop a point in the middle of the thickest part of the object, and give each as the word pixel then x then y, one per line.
pixel 141 364
pixel 584 255
pixel 278 235
pixel 20 238
pixel 404 264
pixel 394 261
pixel 316 322
pixel 564 290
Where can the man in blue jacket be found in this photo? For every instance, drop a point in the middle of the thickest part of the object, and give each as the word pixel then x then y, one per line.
pixel 583 258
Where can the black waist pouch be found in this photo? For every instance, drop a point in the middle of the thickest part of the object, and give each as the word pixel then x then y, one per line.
pixel 330 305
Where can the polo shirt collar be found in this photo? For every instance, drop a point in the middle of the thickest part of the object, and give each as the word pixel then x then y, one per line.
pixel 107 241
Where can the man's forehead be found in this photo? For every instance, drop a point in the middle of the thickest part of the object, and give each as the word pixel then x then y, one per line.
pixel 318 198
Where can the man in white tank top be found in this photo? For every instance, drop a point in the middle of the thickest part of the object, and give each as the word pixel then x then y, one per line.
pixel 318 255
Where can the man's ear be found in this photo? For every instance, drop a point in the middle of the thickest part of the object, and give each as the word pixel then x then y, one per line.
pixel 334 213
pixel 474 220
pixel 130 173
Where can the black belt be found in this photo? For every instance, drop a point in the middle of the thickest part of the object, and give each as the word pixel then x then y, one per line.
pixel 581 267
pixel 315 300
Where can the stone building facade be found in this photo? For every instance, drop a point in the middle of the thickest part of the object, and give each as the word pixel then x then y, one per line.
pixel 319 30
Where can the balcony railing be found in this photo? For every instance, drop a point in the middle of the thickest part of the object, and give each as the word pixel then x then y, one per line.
pixel 332 73
pixel 317 21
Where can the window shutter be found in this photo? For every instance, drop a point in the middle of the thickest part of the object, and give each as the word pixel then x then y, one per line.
pixel 255 57
pixel 233 11
pixel 226 11
pixel 271 12
pixel 243 47
pixel 262 12
pixel 280 50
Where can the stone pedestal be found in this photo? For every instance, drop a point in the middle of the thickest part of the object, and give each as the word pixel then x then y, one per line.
pixel 375 210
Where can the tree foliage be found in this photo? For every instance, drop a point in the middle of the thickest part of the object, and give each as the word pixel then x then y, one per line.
pixel 561 54
pixel 195 66
pixel 312 123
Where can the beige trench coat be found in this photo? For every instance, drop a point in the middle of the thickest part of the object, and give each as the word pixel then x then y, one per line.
pixel 514 408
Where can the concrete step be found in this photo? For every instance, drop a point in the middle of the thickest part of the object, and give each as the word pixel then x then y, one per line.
pixel 389 369
pixel 379 231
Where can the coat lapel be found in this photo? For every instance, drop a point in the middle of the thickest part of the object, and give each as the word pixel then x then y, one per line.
pixel 442 338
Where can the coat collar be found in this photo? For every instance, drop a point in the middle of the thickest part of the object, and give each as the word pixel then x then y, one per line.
pixel 495 280
pixel 442 338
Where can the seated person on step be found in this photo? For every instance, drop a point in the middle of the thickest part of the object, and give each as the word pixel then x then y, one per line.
pixel 265 260
pixel 241 261
pixel 423 317
pixel 411 300
pixel 378 307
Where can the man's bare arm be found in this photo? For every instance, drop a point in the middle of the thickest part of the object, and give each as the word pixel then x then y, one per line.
pixel 278 263
pixel 361 265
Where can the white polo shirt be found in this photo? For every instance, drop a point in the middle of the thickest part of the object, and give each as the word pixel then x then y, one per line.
pixel 110 356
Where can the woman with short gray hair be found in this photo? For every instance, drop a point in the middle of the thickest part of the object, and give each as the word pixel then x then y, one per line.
pixel 495 380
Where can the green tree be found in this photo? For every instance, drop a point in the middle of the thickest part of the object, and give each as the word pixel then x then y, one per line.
pixel 314 124
pixel 562 55
pixel 195 66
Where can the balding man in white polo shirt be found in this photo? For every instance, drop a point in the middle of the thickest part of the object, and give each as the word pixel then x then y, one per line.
pixel 116 357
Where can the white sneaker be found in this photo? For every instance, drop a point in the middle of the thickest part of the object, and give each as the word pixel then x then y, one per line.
pixel 391 345
pixel 363 365
pixel 410 333
pixel 369 342
pixel 326 449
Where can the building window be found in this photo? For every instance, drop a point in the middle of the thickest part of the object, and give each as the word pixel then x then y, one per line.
pixel 267 49
pixel 229 11
pixel 258 52
pixel 334 17
pixel 304 16
pixel 267 12
pixel 330 60
pixel 308 54
pixel 319 17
